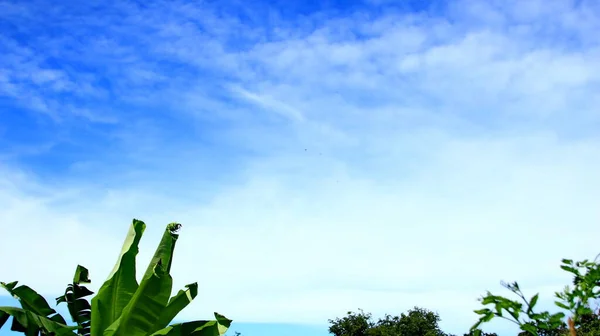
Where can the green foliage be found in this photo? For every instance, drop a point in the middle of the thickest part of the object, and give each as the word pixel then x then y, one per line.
pixel 79 308
pixel 589 324
pixel 577 300
pixel 417 322
pixel 35 315
pixel 353 324
pixel 514 311
pixel 122 307
pixel 472 333
pixel 586 287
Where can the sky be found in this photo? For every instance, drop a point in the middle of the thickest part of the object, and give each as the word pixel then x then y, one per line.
pixel 322 156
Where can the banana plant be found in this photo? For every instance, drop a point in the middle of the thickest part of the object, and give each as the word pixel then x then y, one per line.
pixel 35 315
pixel 122 307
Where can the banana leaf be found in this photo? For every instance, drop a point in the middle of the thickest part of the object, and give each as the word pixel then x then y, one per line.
pixel 30 300
pixel 176 304
pixel 35 316
pixel 122 307
pixel 148 309
pixel 116 292
pixel 78 306
pixel 215 327
pixel 32 324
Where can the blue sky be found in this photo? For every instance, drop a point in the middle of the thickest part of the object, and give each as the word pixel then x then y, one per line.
pixel 322 156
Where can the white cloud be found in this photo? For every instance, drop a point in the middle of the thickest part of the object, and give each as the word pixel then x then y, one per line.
pixel 435 158
pixel 270 104
pixel 475 214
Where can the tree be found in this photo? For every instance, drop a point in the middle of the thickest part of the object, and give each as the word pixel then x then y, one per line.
pixel 470 333
pixel 417 322
pixel 122 307
pixel 590 324
pixel 582 322
pixel 354 324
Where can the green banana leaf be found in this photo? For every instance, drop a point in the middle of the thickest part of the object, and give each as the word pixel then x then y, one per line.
pixel 122 307
pixel 144 308
pixel 176 304
pixel 30 300
pixel 78 306
pixel 35 316
pixel 165 249
pixel 119 288
pixel 215 327
pixel 32 324
pixel 148 309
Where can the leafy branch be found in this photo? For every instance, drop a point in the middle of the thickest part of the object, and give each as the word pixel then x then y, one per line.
pixel 586 282
pixel 586 287
pixel 514 309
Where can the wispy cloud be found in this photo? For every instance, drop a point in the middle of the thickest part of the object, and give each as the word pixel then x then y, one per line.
pixel 270 103
pixel 324 162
